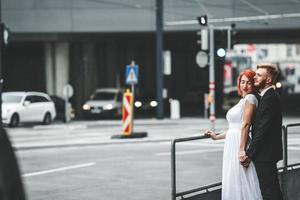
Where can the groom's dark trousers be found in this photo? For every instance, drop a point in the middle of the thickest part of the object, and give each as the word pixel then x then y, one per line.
pixel 265 149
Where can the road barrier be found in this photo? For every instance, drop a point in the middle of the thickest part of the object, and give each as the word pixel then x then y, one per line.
pixel 127 113
pixel 289 175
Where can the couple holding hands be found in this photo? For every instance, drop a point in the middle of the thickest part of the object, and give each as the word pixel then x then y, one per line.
pixel 250 164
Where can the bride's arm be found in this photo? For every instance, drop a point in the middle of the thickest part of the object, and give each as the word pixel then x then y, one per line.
pixel 216 136
pixel 248 113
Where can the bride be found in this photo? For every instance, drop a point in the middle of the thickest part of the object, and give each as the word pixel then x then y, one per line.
pixel 238 182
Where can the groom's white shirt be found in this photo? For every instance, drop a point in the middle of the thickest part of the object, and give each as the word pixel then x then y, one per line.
pixel 264 91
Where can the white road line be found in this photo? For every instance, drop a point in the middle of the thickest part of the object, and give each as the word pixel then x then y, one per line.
pixel 190 152
pixel 294 148
pixel 58 169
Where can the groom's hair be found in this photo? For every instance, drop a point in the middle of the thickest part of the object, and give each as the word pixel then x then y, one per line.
pixel 272 70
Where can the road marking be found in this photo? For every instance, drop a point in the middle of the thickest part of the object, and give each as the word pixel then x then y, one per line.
pixel 294 148
pixel 190 152
pixel 58 169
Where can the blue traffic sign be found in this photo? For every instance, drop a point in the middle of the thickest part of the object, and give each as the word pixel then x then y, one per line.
pixel 132 73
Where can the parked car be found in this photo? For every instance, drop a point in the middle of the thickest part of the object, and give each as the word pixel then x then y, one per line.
pixel 104 102
pixel 19 107
pixel 59 104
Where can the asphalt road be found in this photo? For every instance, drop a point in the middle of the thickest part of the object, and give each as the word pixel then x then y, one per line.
pixel 80 161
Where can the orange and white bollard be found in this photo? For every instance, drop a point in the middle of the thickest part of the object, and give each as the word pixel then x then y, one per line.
pixel 127 113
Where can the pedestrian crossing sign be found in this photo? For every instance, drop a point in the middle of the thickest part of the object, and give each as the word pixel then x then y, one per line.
pixel 132 72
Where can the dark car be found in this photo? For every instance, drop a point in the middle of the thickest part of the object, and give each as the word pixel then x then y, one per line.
pixel 147 107
pixel 59 104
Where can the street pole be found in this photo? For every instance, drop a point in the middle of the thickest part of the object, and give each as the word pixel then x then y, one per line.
pixel 1 80
pixel 159 58
pixel 132 108
pixel 211 84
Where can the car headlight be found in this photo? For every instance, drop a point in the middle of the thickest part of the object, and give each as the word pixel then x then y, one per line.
pixel 138 104
pixel 86 107
pixel 108 107
pixel 278 85
pixel 153 103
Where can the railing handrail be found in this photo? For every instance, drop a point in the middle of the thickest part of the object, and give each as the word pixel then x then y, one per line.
pixel 291 166
pixel 292 125
pixel 177 140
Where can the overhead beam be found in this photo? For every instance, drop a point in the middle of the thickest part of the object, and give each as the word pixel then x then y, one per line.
pixel 235 19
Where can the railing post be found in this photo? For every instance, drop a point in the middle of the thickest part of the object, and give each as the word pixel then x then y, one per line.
pixel 285 162
pixel 173 170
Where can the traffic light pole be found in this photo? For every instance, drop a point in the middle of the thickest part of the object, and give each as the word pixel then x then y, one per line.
pixel 211 83
pixel 159 58
pixel 1 49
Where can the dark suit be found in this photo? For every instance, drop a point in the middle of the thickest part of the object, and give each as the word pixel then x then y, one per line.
pixel 265 149
pixel 11 187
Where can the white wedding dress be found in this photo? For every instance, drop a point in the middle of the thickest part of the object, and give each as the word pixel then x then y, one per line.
pixel 238 183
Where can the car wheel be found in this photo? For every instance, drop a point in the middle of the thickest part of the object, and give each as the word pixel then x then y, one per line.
pixel 14 121
pixel 47 119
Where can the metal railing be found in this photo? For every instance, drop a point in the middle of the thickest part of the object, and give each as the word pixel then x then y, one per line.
pixel 173 170
pixel 210 188
pixel 285 159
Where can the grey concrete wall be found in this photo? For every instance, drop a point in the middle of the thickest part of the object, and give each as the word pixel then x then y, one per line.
pixel 40 16
pixel 75 16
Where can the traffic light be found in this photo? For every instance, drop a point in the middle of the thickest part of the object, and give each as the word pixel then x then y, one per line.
pixel 4 34
pixel 202 20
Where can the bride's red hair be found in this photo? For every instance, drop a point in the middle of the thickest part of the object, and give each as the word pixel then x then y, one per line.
pixel 249 74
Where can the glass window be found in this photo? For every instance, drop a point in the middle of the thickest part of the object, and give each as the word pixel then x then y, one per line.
pixel 40 99
pixel 103 96
pixel 30 98
pixel 9 98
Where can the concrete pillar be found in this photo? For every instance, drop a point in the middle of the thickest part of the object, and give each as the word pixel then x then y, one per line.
pixel 49 64
pixel 57 67
pixel 61 66
pixel 90 68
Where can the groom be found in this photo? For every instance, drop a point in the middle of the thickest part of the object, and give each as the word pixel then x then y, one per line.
pixel 265 149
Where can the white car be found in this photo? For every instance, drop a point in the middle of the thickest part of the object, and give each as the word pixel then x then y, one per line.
pixel 19 107
pixel 104 102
